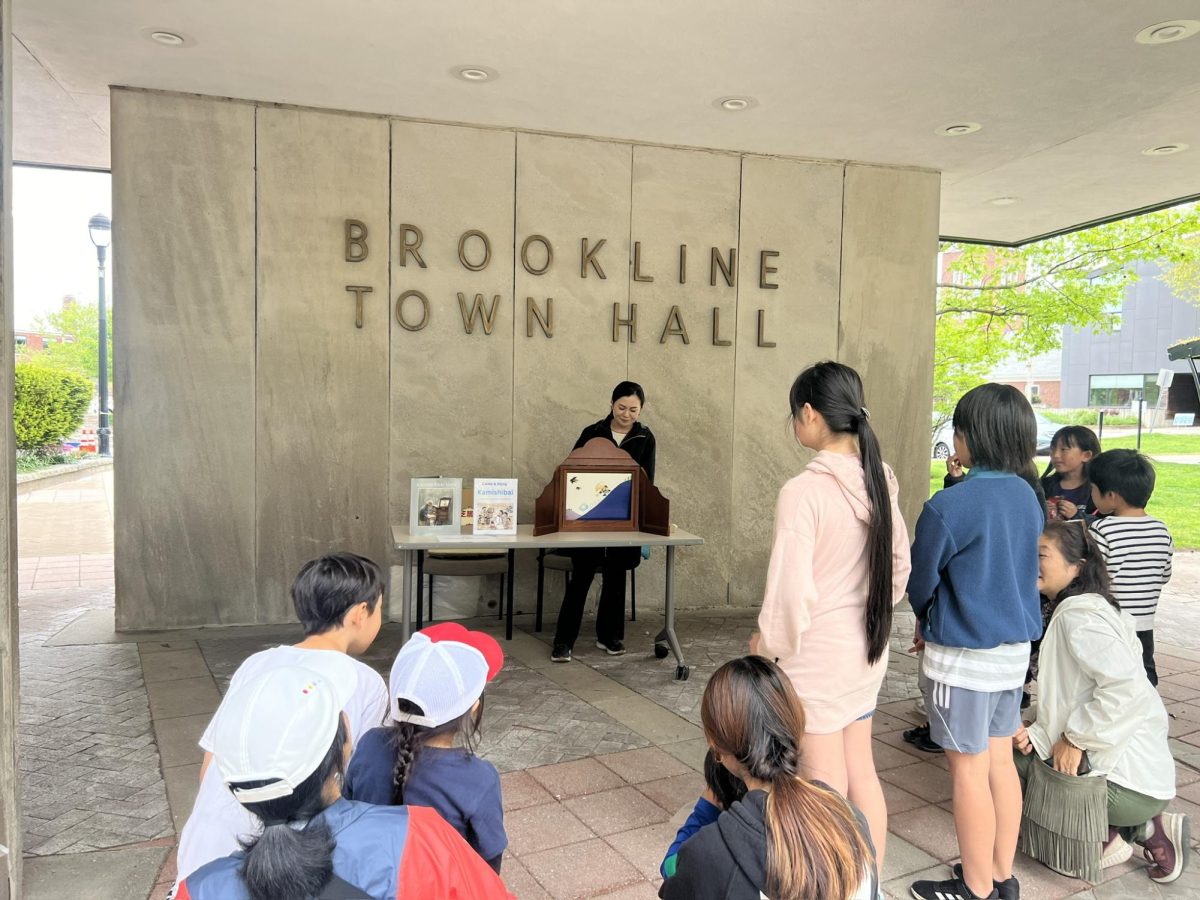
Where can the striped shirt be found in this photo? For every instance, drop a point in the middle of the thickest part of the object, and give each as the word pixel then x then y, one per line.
pixel 1137 551
pixel 994 669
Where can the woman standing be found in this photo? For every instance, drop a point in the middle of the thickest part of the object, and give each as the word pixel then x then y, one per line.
pixel 621 426
pixel 839 563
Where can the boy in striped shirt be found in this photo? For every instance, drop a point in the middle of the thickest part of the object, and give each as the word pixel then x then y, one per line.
pixel 1136 547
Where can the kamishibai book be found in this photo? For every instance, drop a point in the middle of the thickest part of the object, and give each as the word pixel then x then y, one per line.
pixel 435 506
pixel 495 506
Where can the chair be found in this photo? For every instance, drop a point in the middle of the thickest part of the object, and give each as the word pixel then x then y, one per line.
pixel 560 562
pixel 457 563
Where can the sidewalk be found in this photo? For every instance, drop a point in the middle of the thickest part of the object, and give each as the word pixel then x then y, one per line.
pixel 600 759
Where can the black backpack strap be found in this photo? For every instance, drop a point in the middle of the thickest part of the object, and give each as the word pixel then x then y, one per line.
pixel 340 889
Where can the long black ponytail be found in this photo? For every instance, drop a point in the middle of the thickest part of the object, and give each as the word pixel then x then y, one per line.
pixel 836 392
pixel 286 863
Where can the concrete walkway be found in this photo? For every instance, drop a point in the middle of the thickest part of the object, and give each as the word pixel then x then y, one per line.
pixel 600 758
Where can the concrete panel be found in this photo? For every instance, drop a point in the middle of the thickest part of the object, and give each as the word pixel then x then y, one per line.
pixel 688 197
pixel 889 253
pixel 794 209
pixel 183 360
pixel 322 416
pixel 10 802
pixel 567 190
pixel 451 396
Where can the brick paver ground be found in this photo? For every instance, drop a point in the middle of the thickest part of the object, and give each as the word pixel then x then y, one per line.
pixel 600 758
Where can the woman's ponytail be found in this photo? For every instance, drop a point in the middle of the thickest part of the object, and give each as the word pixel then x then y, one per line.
pixel 293 857
pixel 836 392
pixel 815 847
pixel 879 544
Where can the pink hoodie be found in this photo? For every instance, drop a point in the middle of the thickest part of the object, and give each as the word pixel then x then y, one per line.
pixel 814 607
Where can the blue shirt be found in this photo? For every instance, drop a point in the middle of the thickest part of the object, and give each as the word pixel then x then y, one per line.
pixel 464 789
pixel 975 563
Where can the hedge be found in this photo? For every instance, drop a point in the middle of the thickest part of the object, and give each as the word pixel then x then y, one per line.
pixel 48 405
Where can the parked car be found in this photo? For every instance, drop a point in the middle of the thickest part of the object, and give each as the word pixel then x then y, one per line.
pixel 943 440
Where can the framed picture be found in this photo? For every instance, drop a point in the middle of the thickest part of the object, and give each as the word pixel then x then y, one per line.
pixel 435 506
pixel 495 506
pixel 594 497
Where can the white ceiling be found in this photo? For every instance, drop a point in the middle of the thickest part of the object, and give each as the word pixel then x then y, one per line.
pixel 1067 99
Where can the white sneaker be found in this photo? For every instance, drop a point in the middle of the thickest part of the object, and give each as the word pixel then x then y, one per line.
pixel 1115 852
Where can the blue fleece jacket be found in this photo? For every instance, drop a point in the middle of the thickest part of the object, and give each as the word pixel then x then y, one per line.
pixel 975 563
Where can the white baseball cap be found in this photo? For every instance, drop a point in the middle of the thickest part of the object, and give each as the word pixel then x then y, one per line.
pixel 279 726
pixel 443 669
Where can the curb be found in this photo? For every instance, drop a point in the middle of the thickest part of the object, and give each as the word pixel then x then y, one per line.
pixel 64 469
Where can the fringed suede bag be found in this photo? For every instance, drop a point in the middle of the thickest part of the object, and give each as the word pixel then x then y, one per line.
pixel 1064 821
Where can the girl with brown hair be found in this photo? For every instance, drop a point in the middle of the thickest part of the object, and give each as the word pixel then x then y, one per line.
pixel 788 838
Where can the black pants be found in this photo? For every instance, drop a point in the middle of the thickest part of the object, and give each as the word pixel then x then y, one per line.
pixel 610 617
pixel 1147 639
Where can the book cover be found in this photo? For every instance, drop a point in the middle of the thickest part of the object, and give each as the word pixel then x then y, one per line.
pixel 495 504
pixel 435 506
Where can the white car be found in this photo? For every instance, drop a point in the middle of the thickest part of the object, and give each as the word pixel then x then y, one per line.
pixel 943 440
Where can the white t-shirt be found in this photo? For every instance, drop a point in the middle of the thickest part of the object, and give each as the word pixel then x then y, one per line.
pixel 995 669
pixel 618 437
pixel 217 819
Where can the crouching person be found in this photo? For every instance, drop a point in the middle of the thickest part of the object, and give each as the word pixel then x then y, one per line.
pixel 1097 711
pixel 280 744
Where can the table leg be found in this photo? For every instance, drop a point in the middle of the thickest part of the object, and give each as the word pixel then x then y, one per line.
pixel 421 590
pixel 406 596
pixel 512 565
pixel 537 615
pixel 668 633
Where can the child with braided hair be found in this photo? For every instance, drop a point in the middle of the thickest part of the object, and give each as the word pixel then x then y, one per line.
pixel 426 756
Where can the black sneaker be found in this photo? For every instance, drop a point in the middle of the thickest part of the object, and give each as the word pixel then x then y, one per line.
pixel 1009 889
pixel 951 889
pixel 919 738
pixel 613 648
pixel 560 653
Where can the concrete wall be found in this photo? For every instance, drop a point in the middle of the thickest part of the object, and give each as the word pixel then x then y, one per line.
pixel 233 273
pixel 10 806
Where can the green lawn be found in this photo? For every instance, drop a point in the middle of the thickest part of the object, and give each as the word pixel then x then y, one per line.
pixel 1176 491
pixel 1156 443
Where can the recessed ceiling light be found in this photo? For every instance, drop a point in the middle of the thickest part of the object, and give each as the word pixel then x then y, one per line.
pixel 735 104
pixel 958 128
pixel 1003 201
pixel 475 73
pixel 168 38
pixel 1164 149
pixel 1168 32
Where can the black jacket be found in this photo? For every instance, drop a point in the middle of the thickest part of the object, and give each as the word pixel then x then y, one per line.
pixel 727 860
pixel 639 443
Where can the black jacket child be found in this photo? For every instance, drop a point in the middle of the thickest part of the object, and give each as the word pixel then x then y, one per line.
pixel 727 860
pixel 639 443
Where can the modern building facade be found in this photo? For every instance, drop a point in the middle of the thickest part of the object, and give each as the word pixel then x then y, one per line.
pixel 1111 370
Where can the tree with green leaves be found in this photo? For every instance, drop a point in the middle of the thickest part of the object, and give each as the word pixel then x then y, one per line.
pixel 80 324
pixel 999 302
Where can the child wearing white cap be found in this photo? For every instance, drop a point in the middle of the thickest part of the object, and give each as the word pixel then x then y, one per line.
pixel 280 746
pixel 437 684
pixel 338 599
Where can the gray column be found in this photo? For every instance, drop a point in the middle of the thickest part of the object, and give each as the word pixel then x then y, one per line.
pixel 10 812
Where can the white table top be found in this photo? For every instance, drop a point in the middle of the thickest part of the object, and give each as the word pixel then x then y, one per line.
pixel 525 540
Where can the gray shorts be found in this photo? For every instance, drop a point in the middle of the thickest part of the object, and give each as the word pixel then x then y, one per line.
pixel 962 720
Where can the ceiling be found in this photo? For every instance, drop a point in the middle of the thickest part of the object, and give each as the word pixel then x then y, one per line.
pixel 1066 97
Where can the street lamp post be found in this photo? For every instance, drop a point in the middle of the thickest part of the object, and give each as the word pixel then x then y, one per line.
pixel 100 230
